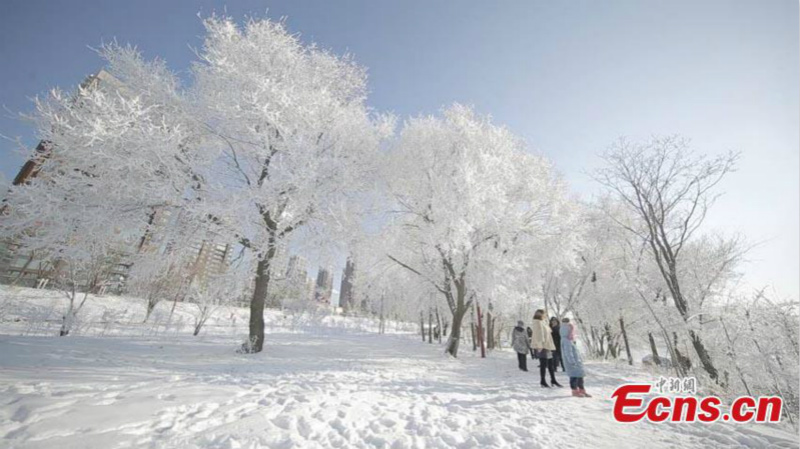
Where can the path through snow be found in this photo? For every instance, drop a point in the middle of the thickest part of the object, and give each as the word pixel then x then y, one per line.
pixel 311 391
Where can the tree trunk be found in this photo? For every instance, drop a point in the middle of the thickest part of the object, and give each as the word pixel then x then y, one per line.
pixel 430 326
pixel 473 328
pixel 438 326
pixel 680 303
pixel 474 338
pixel 66 322
pixel 22 270
pixel 673 353
pixel 684 361
pixel 489 331
pixel 204 313
pixel 653 349
pixel 481 341
pixel 382 324
pixel 151 305
pixel 256 338
pixel 625 339
pixel 455 333
pixel 704 356
pixel 597 342
pixel 612 347
pixel 422 325
pixel 733 356
pixel 65 325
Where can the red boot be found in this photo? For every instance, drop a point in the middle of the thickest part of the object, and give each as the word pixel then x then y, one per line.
pixel 576 393
pixel 584 393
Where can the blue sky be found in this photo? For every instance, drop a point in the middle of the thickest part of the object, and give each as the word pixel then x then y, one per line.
pixel 569 77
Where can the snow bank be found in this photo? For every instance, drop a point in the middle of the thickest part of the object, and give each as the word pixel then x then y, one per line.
pixel 341 387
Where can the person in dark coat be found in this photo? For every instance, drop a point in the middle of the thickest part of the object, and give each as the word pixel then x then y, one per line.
pixel 522 344
pixel 557 361
pixel 530 334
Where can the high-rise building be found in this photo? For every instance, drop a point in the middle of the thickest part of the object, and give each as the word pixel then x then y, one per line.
pixel 208 256
pixel 324 287
pixel 296 269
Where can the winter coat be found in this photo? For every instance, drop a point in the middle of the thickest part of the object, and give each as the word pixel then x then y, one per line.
pixel 542 338
pixel 555 332
pixel 569 353
pixel 520 341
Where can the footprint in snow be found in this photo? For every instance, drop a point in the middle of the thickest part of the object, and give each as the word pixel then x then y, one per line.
pixel 304 427
pixel 284 422
pixel 388 422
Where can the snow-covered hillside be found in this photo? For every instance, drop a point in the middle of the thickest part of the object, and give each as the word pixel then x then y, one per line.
pixel 320 382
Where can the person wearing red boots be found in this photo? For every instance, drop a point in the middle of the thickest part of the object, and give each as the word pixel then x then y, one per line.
pixel 572 359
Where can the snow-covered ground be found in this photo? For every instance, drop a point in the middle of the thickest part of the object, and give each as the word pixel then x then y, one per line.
pixel 320 386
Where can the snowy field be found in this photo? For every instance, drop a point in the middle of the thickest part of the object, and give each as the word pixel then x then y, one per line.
pixel 319 383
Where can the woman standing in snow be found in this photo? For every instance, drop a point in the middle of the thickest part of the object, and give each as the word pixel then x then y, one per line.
pixel 572 359
pixel 522 344
pixel 543 347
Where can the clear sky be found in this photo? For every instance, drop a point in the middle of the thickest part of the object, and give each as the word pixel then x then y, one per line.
pixel 569 77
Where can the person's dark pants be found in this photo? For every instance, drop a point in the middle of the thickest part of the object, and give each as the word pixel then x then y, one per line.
pixel 523 361
pixel 557 361
pixel 546 365
pixel 543 368
pixel 576 383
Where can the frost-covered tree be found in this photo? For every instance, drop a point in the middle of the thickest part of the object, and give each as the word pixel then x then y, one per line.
pixel 669 190
pixel 465 198
pixel 565 281
pixel 292 132
pixel 264 145
pixel 109 155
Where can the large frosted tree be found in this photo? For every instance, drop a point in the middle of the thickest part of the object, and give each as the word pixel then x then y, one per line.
pixel 266 143
pixel 111 152
pixel 293 134
pixel 669 191
pixel 468 204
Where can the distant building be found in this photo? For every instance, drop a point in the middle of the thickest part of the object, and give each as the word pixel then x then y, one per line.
pixel 300 286
pixel 296 268
pixel 208 256
pixel 212 258
pixel 324 287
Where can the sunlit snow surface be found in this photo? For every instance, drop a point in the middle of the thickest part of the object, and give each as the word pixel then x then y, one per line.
pixel 319 383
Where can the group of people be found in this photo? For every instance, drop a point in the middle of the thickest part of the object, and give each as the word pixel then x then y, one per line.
pixel 554 346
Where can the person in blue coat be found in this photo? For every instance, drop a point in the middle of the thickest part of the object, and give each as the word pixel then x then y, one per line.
pixel 572 359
